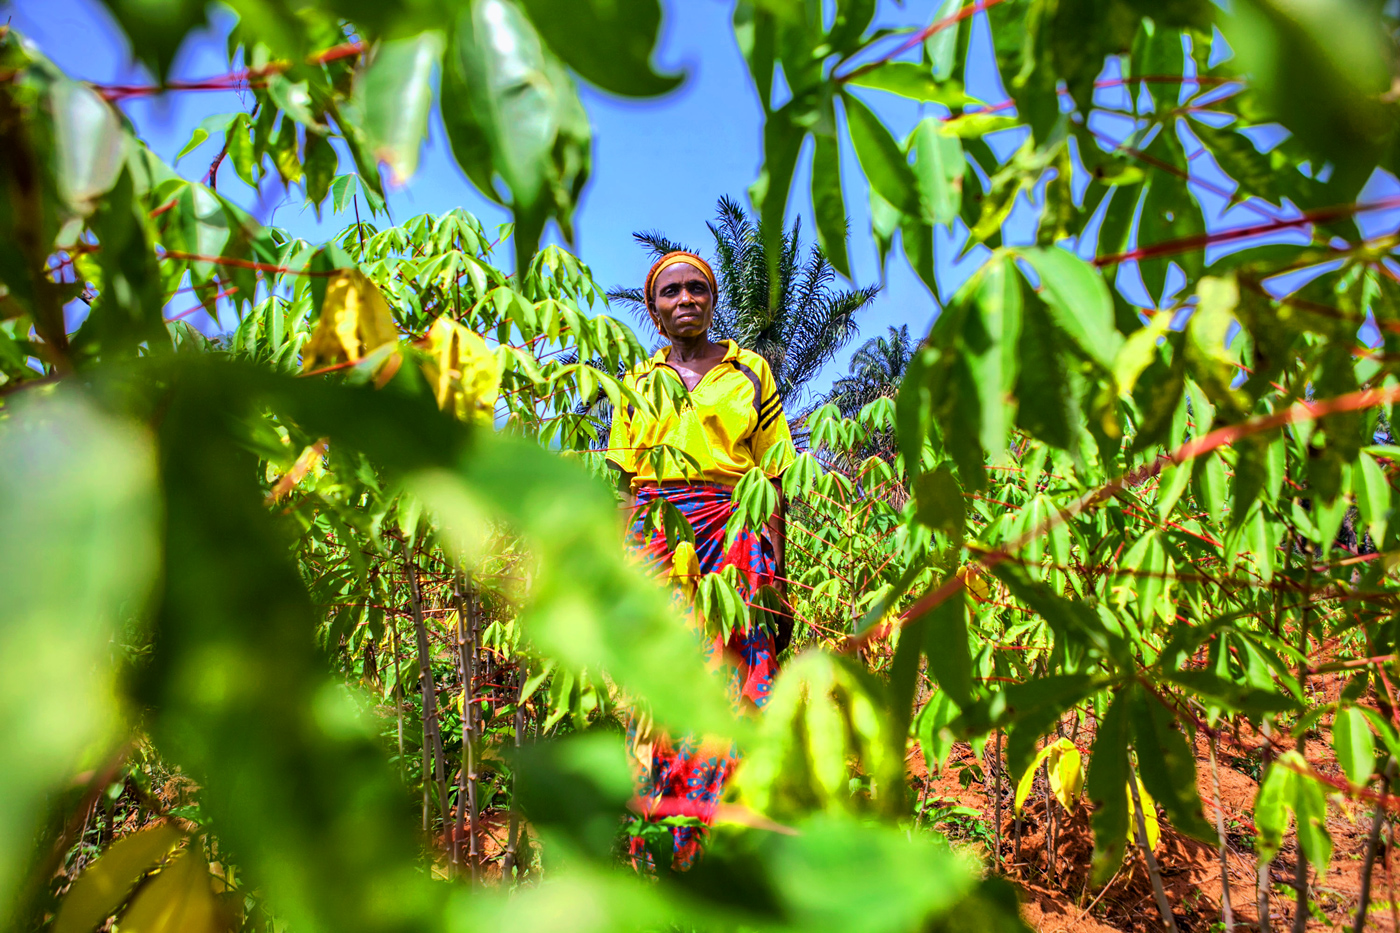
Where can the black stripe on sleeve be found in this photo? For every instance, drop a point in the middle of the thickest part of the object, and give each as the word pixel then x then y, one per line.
pixel 776 413
pixel 757 389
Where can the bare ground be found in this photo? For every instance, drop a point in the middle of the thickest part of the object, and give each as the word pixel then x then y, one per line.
pixel 1060 897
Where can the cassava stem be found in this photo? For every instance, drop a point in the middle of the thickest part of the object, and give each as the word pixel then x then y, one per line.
pixel 1158 891
pixel 1226 910
pixel 432 734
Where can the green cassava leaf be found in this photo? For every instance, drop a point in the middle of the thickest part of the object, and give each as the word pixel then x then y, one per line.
pixel 1109 773
pixel 1167 766
pixel 395 94
pixel 881 159
pixel 1079 300
pixel 938 171
pixel 512 111
pixel 1320 68
pixel 157 29
pixel 828 202
pixel 914 81
pixel 1355 745
pixel 608 43
pixel 940 500
pixel 1373 496
pixel 945 640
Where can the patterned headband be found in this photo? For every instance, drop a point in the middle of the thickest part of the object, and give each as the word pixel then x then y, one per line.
pixel 675 258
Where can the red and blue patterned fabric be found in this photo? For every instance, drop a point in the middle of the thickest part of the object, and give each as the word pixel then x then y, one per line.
pixel 686 775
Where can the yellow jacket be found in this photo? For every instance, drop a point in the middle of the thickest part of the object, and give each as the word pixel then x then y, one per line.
pixel 735 420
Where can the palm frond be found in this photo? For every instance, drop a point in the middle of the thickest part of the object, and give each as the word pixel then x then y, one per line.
pixel 658 244
pixel 828 327
pixel 636 301
pixel 876 370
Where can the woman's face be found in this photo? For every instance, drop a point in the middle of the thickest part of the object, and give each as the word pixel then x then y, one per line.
pixel 683 303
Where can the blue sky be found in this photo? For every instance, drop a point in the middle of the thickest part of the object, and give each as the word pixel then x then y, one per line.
pixel 658 164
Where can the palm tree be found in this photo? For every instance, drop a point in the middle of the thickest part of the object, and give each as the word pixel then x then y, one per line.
pixel 811 321
pixel 876 371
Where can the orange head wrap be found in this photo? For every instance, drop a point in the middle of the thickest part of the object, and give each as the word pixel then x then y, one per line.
pixel 674 258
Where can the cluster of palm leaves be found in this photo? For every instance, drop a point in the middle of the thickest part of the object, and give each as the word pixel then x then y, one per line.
pixel 798 335
pixel 876 370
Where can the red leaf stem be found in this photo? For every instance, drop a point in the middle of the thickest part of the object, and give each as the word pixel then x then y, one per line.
pixel 247 264
pixel 1202 240
pixel 933 29
pixel 1203 80
pixel 225 82
pixel 197 308
pixel 1179 172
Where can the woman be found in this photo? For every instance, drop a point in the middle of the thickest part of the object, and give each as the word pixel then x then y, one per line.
pixel 693 457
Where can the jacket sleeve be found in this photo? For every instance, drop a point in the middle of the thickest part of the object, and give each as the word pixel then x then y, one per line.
pixel 771 441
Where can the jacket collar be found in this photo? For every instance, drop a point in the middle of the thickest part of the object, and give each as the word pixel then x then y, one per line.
pixel 659 357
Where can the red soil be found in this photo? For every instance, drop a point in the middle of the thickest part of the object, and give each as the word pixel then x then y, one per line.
pixel 1067 901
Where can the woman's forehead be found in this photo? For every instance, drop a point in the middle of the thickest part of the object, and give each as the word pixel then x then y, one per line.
pixel 680 272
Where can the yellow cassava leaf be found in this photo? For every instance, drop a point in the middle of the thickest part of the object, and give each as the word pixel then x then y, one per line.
pixel 975 581
pixel 179 900
pixel 102 888
pixel 1023 786
pixel 685 568
pixel 310 461
pixel 464 373
pixel 1065 765
pixel 355 321
pixel 1149 816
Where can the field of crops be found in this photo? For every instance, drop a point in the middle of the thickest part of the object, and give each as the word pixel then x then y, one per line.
pixel 322 620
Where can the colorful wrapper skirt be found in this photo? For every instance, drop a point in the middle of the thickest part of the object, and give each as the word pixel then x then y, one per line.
pixel 685 775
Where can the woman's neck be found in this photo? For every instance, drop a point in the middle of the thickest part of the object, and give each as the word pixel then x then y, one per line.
pixel 688 349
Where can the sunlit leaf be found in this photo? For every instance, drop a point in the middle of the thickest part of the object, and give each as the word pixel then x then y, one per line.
pixel 914 81
pixel 884 163
pixel 355 321
pixel 1079 299
pixel 90 143
pixel 179 900
pixel 105 885
pixel 1149 816
pixel 464 373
